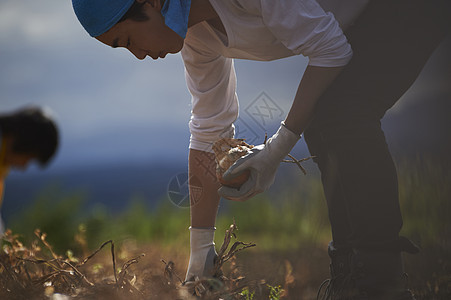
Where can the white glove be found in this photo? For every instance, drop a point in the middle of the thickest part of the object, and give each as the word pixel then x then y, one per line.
pixel 262 161
pixel 203 253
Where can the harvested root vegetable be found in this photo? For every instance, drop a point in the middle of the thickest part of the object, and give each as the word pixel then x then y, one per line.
pixel 227 152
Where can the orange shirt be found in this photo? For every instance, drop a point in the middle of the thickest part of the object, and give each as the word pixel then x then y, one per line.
pixel 4 169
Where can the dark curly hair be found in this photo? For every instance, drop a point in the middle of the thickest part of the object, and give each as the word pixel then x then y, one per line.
pixel 34 132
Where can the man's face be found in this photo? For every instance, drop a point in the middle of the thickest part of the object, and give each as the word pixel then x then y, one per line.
pixel 144 38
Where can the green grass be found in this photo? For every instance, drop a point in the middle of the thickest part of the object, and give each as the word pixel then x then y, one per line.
pixel 425 196
pixel 293 218
pixel 283 222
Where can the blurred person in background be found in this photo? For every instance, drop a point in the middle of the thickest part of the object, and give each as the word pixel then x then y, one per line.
pixel 26 135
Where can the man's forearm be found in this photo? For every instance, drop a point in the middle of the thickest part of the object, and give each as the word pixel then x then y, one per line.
pixel 203 188
pixel 313 84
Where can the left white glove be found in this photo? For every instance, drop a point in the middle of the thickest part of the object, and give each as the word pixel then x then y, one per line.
pixel 202 254
pixel 262 162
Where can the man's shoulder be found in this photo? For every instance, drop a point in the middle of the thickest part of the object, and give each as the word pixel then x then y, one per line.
pixel 200 42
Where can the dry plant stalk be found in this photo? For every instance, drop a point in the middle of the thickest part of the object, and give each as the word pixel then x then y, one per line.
pixel 30 273
pixel 26 272
pixel 224 255
pixel 169 272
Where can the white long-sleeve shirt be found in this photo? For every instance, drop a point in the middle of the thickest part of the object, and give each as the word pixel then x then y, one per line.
pixel 257 30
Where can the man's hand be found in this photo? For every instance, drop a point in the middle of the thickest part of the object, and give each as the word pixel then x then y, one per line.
pixel 262 162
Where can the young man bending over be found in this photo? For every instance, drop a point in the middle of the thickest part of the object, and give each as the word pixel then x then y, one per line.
pixel 338 105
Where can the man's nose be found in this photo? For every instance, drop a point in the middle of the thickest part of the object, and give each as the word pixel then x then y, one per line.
pixel 139 54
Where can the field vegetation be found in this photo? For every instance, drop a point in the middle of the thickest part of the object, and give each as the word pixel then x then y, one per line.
pixel 143 254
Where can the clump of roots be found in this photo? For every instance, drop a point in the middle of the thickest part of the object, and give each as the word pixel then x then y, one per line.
pixel 229 150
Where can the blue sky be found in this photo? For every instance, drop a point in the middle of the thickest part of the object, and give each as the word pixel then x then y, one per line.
pixel 111 107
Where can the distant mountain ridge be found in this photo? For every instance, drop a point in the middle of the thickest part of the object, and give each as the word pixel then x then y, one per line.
pixel 110 185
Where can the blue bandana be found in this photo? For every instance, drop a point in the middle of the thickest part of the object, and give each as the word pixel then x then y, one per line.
pixel 98 16
pixel 175 13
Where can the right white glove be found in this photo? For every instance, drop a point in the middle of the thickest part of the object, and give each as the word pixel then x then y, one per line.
pixel 202 254
pixel 262 162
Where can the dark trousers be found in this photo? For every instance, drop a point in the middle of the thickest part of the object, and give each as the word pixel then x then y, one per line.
pixel 392 40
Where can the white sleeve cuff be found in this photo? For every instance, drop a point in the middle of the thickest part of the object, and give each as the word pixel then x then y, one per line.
pixel 204 142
